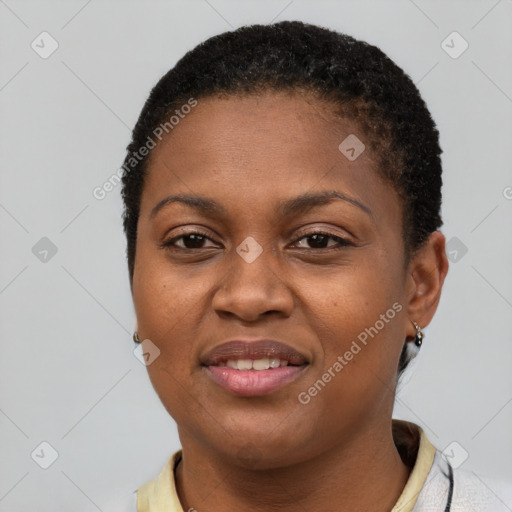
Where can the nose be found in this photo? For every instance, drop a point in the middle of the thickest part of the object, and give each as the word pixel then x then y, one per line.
pixel 250 290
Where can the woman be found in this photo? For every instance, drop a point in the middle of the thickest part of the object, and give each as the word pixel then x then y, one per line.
pixel 282 198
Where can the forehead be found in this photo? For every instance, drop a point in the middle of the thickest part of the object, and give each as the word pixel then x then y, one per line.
pixel 250 124
pixel 262 148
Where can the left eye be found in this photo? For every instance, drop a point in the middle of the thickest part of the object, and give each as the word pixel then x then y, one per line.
pixel 320 239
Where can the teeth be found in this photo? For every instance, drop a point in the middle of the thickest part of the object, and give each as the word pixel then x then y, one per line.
pixel 244 364
pixel 261 364
pixel 258 364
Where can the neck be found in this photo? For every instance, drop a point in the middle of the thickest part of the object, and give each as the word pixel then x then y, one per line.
pixel 366 474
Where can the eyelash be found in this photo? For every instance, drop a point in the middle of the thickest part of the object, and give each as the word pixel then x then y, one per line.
pixel 342 243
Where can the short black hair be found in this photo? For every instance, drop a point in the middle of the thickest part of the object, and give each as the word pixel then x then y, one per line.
pixel 357 79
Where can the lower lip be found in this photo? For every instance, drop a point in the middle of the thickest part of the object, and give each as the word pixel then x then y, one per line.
pixel 253 382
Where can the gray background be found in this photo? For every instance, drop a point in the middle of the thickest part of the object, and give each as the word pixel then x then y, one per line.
pixel 68 375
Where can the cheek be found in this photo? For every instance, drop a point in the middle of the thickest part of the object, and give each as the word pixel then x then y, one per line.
pixel 357 314
pixel 164 296
pixel 351 297
pixel 166 309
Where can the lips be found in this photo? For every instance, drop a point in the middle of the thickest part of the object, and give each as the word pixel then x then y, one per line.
pixel 253 367
pixel 237 350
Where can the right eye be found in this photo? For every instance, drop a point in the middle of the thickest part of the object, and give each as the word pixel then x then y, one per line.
pixel 191 240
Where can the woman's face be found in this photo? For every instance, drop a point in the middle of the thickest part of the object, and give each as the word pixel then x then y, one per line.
pixel 272 166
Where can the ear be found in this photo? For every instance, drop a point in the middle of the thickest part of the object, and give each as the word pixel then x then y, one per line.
pixel 425 277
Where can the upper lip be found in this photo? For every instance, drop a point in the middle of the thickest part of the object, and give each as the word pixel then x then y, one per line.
pixel 253 349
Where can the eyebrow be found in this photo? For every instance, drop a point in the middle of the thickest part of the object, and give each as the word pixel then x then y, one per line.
pixel 300 204
pixel 308 201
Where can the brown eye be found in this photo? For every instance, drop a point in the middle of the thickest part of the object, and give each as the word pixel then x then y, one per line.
pixel 320 240
pixel 190 240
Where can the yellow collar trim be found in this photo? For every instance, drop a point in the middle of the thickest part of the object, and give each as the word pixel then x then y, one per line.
pixel 422 466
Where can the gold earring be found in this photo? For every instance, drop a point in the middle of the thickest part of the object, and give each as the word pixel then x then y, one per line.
pixel 136 338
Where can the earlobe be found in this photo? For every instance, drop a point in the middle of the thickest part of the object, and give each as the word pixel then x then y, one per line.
pixel 427 271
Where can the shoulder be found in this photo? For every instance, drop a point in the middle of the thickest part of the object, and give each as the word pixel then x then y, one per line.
pixel 458 490
pixel 482 493
pixel 160 492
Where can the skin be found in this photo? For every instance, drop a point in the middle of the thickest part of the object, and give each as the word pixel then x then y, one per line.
pixel 250 154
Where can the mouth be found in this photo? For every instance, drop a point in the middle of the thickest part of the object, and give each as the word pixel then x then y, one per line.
pixel 253 368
